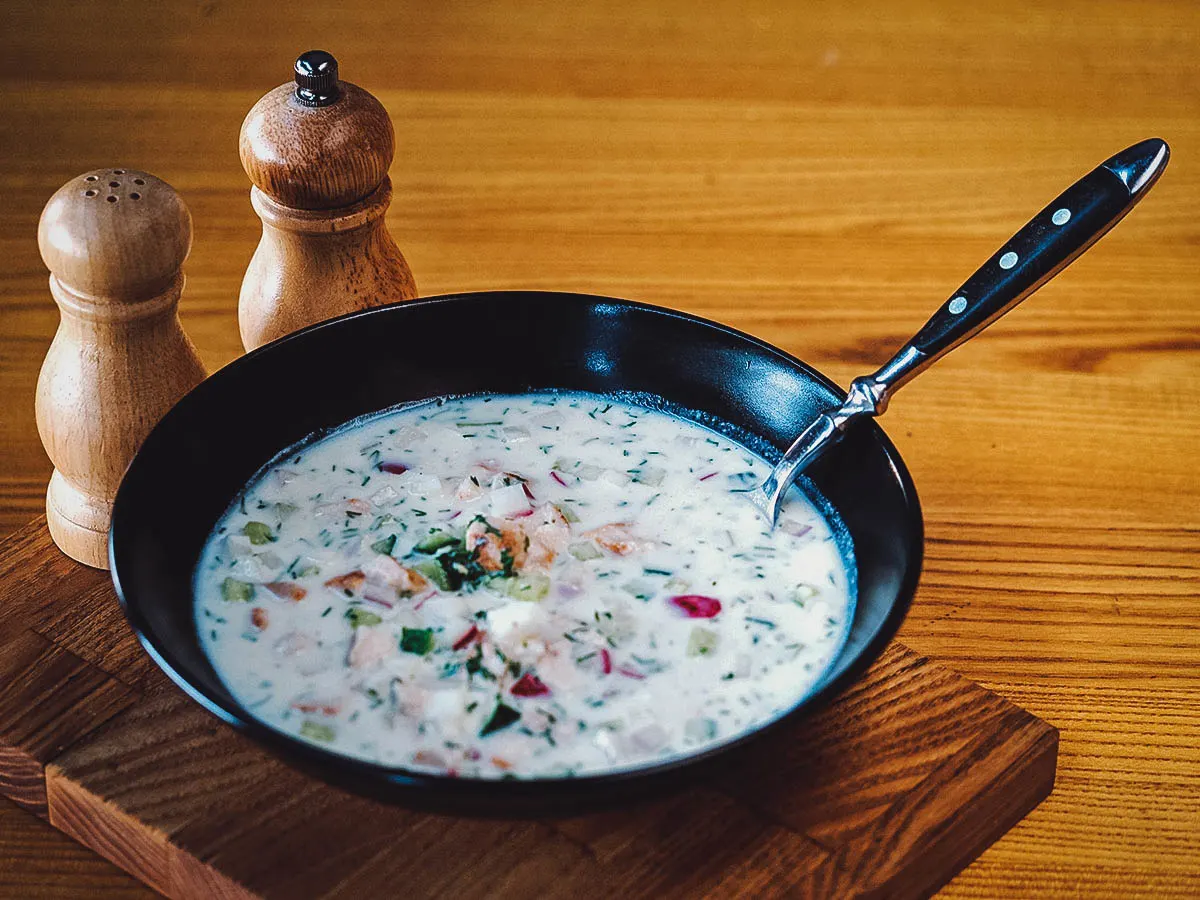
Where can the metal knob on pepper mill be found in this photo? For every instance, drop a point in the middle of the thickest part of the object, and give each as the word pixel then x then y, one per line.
pixel 318 150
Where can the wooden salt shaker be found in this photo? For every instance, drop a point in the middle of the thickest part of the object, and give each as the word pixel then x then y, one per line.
pixel 318 152
pixel 114 241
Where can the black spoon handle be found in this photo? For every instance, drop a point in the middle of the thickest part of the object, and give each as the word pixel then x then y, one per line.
pixel 1049 243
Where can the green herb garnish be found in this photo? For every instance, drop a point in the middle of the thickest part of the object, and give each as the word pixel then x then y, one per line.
pixel 501 718
pixel 416 640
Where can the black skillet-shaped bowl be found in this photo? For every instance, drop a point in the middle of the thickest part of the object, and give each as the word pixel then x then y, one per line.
pixel 204 451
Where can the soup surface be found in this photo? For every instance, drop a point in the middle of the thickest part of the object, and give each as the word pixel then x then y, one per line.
pixel 519 586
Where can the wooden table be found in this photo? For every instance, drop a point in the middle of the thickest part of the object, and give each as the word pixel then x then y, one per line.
pixel 821 176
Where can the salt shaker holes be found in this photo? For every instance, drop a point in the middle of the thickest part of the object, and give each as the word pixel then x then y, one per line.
pixel 111 198
pixel 135 196
pixel 89 193
pixel 90 178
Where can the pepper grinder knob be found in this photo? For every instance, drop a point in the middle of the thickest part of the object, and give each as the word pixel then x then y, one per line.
pixel 318 150
pixel 114 241
pixel 316 78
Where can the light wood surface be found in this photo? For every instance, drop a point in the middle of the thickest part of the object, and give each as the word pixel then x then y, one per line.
pixel 889 791
pixel 820 175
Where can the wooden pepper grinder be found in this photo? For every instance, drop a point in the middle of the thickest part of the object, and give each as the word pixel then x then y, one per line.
pixel 114 241
pixel 318 153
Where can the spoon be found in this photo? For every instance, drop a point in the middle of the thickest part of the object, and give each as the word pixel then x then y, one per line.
pixel 1048 243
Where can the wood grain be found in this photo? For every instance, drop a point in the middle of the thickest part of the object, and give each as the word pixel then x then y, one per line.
pixel 820 175
pixel 890 790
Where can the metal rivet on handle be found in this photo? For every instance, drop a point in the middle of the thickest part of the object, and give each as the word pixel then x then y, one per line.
pixel 1008 260
pixel 1061 216
pixel 957 305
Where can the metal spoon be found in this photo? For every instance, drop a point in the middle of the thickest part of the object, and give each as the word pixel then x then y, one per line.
pixel 1050 242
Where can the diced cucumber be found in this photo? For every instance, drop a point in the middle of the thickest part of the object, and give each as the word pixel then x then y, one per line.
pixel 530 586
pixel 258 532
pixel 432 569
pixel 701 642
pixel 317 731
pixel 385 545
pixel 234 591
pixel 356 616
pixel 585 550
pixel 434 541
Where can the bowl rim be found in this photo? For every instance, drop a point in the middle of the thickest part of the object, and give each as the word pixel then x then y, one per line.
pixel 367 777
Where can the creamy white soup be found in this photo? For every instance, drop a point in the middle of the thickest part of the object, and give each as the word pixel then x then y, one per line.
pixel 543 585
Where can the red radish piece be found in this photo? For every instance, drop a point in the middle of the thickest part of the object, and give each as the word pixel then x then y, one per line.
pixel 557 478
pixel 393 468
pixel 473 634
pixel 325 708
pixel 794 528
pixel 605 662
pixel 529 685
pixel 631 673
pixel 697 606
pixel 708 476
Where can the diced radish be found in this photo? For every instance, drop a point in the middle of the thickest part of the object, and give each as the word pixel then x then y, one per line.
pixel 529 685
pixel 697 606
pixel 631 673
pixel 381 595
pixel 311 705
pixel 472 635
pixel 558 478
pixel 605 662
pixel 393 468
pixel 708 476
pixel 794 528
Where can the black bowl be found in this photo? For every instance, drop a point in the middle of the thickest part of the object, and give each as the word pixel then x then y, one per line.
pixel 214 440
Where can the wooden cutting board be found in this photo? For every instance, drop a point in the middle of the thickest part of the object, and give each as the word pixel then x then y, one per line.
pixel 889 791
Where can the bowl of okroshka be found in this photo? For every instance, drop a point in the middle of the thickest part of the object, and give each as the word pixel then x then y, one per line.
pixel 489 552
pixel 495 553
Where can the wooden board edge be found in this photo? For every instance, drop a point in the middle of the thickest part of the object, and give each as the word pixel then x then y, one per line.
pixel 23 781
pixel 144 852
pixel 1013 770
